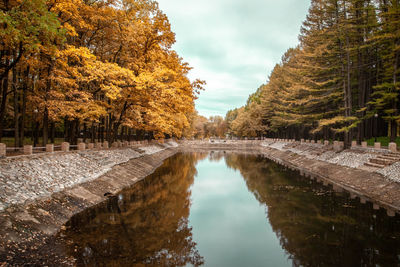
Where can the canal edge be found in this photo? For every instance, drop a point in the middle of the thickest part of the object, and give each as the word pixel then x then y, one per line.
pixel 31 224
pixel 356 189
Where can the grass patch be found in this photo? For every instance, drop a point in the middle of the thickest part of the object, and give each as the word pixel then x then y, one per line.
pixel 384 141
pixel 9 141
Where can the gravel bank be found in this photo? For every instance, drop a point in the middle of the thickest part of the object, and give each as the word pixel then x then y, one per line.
pixel 391 172
pixel 27 178
pixel 346 158
pixel 319 152
pixel 353 158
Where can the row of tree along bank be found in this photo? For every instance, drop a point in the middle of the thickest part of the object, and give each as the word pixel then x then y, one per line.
pixel 97 69
pixel 340 82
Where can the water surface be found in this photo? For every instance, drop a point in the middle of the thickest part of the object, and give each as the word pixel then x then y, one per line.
pixel 226 209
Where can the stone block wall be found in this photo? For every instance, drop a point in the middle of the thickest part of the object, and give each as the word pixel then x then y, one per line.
pixel 364 144
pixel 28 150
pixel 393 147
pixel 50 148
pixel 65 146
pixel 3 150
pixel 81 146
pixel 105 144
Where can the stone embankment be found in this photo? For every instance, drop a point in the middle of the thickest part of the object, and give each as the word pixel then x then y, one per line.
pixel 40 193
pixel 351 169
pixel 27 178
pixel 382 161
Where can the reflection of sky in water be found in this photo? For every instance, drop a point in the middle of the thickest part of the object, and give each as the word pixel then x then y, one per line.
pixel 229 224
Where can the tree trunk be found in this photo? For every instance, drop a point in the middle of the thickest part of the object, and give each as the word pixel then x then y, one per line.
pixel 99 130
pixel 361 97
pixel 348 100
pixel 84 132
pixel 102 129
pixel 46 111
pixel 52 132
pixel 93 134
pixel 72 131
pixel 66 129
pixel 3 103
pixel 110 135
pixel 36 133
pixel 23 109
pixel 77 131
pixel 393 127
pixel 16 112
pixel 107 128
pixel 45 127
pixel 129 134
pixel 115 131
pixel 119 122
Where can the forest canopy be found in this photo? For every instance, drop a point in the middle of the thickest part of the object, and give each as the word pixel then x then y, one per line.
pixel 98 69
pixel 340 82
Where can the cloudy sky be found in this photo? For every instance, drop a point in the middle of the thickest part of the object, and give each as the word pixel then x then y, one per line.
pixel 233 44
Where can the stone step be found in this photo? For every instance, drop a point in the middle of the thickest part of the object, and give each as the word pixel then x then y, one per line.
pixel 388 157
pixel 370 164
pixel 138 150
pixel 381 161
pixel 394 154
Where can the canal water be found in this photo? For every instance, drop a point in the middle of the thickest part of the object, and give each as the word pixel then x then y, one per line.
pixel 227 209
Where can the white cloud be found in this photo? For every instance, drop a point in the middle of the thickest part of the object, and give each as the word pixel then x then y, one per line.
pixel 233 44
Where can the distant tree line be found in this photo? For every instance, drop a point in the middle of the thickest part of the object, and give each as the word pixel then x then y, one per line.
pixel 340 82
pixel 98 69
pixel 201 127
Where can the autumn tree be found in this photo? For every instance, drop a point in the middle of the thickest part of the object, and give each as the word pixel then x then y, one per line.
pixel 102 70
pixel 28 29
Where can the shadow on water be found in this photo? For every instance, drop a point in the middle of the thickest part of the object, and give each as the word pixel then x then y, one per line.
pixel 147 224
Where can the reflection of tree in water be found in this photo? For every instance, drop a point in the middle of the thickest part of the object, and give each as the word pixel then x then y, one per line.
pixel 216 156
pixel 316 226
pixel 146 224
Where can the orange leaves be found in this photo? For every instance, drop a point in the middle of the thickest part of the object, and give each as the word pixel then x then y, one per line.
pixel 71 64
pixel 69 11
pixel 108 61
